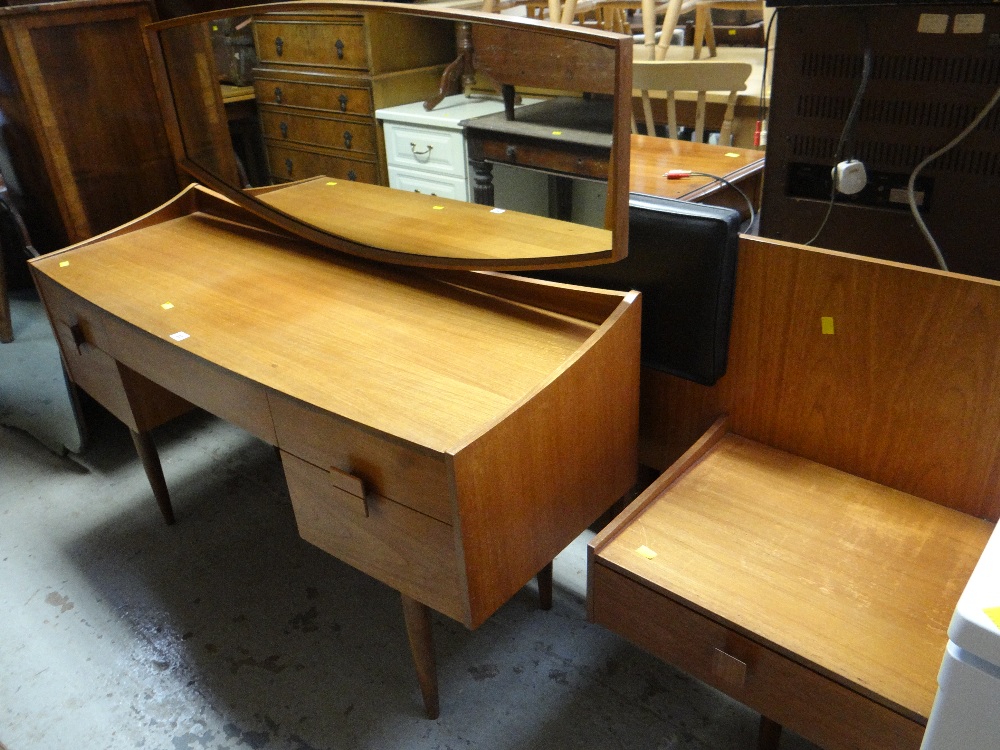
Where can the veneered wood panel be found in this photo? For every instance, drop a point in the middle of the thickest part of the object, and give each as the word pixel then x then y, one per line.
pixel 513 59
pixel 550 467
pixel 133 399
pixel 904 392
pixel 413 553
pixel 405 473
pixel 89 137
pixel 777 687
pixel 853 579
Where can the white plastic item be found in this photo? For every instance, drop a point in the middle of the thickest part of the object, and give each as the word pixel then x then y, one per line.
pixel 966 713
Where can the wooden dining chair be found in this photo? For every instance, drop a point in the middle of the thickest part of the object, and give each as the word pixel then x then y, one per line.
pixel 704 31
pixel 696 77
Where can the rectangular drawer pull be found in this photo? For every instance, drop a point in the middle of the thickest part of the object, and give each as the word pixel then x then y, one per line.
pixel 729 669
pixel 349 489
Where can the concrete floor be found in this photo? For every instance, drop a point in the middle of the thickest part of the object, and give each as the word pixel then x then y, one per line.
pixel 228 631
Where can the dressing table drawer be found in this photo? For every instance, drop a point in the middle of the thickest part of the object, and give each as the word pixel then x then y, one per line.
pixel 427 149
pixel 312 43
pixel 287 162
pixel 392 469
pixel 413 553
pixel 329 94
pixel 327 132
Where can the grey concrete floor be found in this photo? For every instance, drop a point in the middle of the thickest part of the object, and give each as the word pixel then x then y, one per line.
pixel 228 631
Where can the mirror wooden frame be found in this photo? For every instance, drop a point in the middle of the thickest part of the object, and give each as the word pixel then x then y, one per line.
pixel 563 70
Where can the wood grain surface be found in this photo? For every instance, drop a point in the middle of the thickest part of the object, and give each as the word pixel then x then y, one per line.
pixel 904 392
pixel 425 225
pixel 853 579
pixel 404 354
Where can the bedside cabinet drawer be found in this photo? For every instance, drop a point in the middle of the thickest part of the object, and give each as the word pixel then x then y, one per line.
pixel 411 552
pixel 313 130
pixel 429 184
pixel 319 44
pixel 330 96
pixel 289 163
pixel 426 149
pixel 753 674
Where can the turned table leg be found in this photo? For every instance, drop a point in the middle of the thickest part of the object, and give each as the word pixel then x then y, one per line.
pixel 483 192
pixel 418 629
pixel 544 580
pixel 146 449
pixel 769 734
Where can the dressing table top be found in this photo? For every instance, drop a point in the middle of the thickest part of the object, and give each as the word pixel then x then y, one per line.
pixel 415 357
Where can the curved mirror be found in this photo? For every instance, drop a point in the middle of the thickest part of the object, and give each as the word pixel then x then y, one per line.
pixel 419 136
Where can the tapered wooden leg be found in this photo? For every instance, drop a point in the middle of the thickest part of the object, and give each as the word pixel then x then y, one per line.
pixel 769 734
pixel 418 630
pixel 146 449
pixel 544 579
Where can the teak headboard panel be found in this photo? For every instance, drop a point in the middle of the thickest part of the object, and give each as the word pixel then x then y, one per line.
pixel 905 391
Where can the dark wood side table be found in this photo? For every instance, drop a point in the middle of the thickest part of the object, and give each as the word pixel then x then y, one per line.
pixel 565 136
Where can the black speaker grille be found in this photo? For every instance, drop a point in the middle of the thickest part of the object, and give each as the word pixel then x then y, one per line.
pixel 904 68
pixel 900 157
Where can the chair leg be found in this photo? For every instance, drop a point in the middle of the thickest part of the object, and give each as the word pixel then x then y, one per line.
pixel 418 630
pixel 544 580
pixel 146 449
pixel 700 14
pixel 769 734
pixel 710 33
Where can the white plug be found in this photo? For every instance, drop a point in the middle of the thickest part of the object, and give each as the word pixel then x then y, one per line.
pixel 850 177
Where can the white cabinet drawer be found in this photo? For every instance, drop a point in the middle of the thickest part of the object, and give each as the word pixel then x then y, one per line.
pixel 427 149
pixel 429 184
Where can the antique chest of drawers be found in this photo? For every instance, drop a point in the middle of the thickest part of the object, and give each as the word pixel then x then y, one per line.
pixel 321 78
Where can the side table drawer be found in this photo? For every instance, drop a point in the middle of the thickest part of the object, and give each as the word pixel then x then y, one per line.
pixel 330 95
pixel 289 163
pixel 332 45
pixel 329 132
pixel 390 469
pixel 409 551
pixel 428 184
pixel 823 711
pixel 427 149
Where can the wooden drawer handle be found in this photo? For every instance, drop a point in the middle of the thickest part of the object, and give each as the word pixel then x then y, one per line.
pixel 75 333
pixel 351 489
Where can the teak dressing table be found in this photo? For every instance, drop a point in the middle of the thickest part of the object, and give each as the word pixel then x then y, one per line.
pixel 447 433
